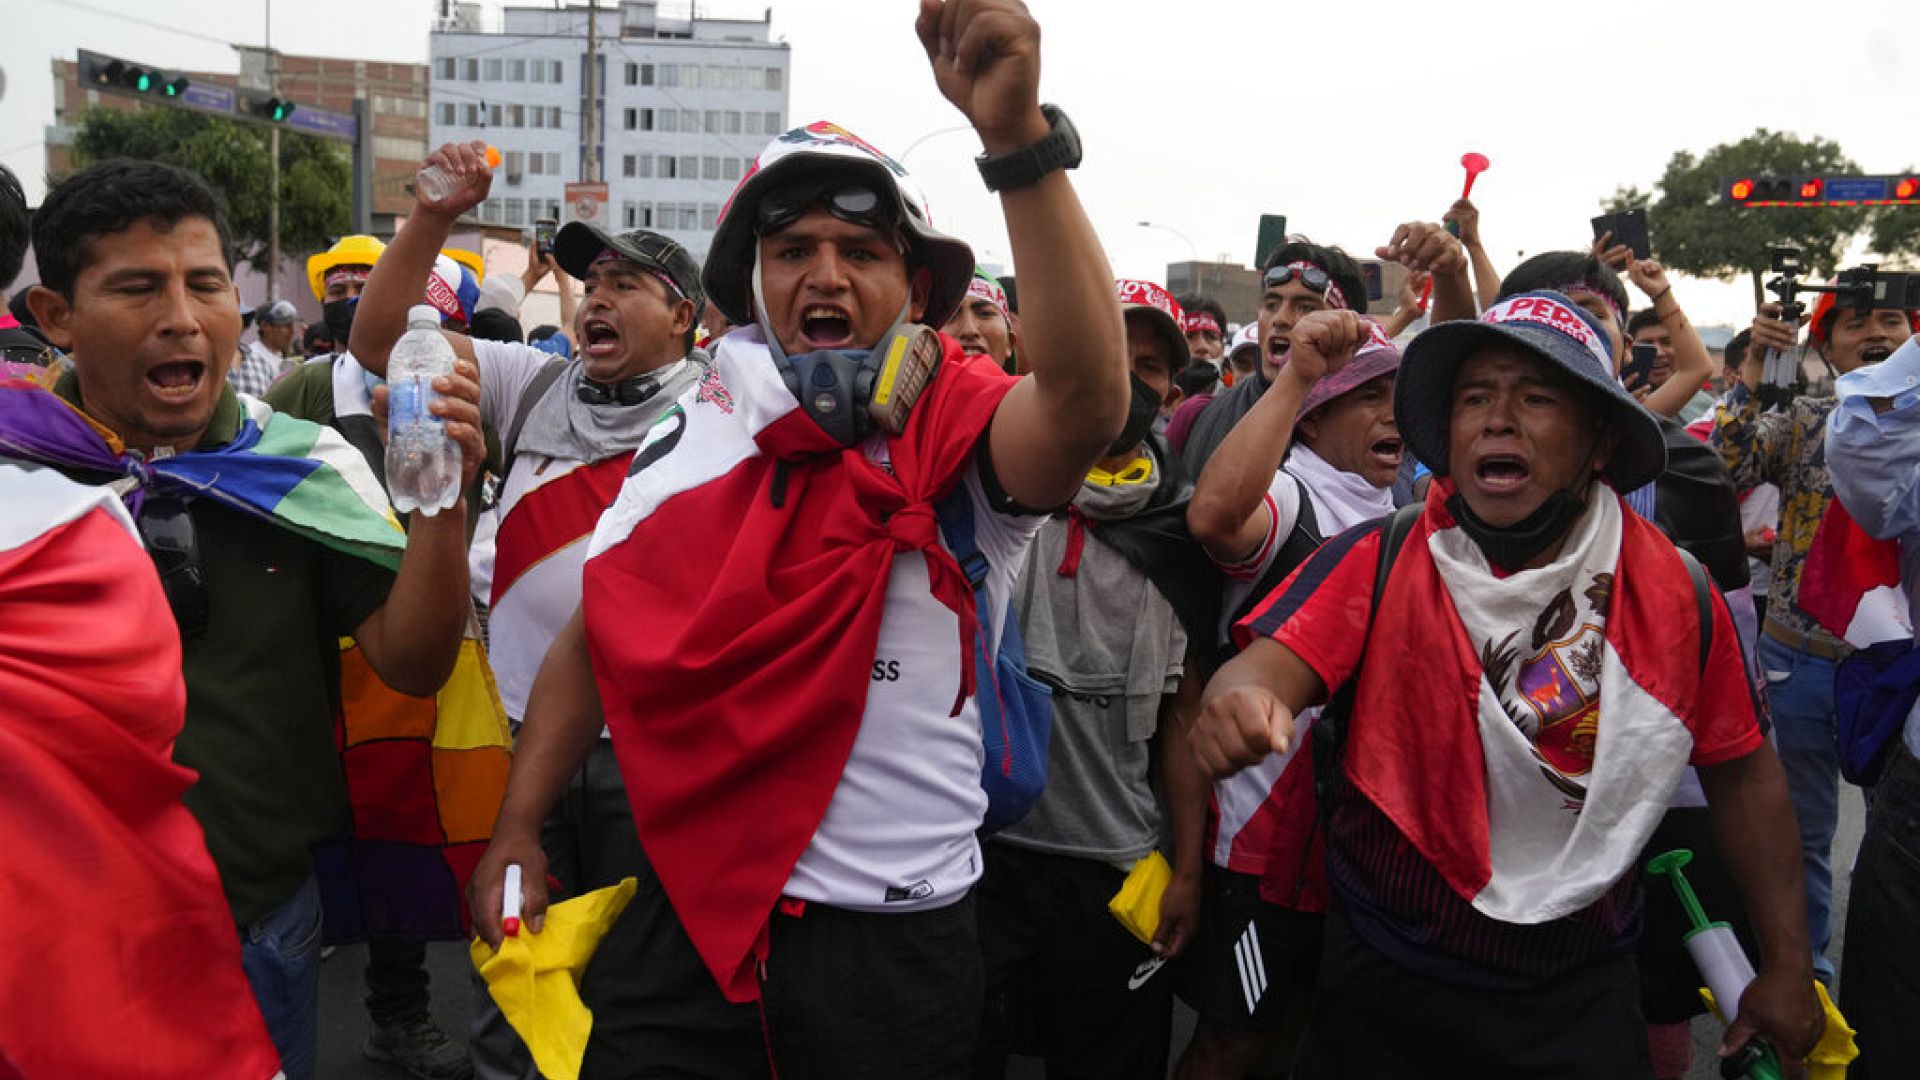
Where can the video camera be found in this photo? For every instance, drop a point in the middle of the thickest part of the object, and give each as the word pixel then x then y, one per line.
pixel 1863 288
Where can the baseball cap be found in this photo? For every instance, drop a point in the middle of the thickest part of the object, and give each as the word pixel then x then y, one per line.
pixel 1148 301
pixel 577 245
pixel 282 313
pixel 1551 327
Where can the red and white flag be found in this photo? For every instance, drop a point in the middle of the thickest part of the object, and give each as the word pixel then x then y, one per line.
pixel 1851 582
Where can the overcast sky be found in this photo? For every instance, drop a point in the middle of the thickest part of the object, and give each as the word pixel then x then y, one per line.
pixel 1201 115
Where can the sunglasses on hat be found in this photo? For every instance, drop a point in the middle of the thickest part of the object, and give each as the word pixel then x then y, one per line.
pixel 167 530
pixel 853 203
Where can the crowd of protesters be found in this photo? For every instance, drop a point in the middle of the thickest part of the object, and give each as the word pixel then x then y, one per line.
pixel 940 670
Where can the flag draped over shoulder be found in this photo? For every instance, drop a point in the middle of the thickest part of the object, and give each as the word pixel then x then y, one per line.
pixel 424 775
pixel 121 955
pixel 733 596
pixel 1851 582
pixel 1531 826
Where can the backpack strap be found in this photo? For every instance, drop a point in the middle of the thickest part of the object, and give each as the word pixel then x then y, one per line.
pixel 1330 730
pixel 956 528
pixel 1703 599
pixel 1294 548
pixel 537 388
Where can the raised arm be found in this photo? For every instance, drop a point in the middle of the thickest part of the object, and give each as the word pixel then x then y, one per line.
pixel 1486 277
pixel 1229 514
pixel 1056 423
pixel 1873 455
pixel 1425 247
pixel 400 276
pixel 1692 365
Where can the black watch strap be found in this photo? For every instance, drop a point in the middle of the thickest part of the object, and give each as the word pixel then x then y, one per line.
pixel 1059 149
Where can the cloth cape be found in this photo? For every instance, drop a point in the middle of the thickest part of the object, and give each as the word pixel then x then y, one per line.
pixel 1851 582
pixel 122 957
pixel 1442 759
pixel 733 599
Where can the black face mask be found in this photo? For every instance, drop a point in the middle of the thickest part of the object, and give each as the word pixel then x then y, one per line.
pixel 338 317
pixel 1511 547
pixel 1141 413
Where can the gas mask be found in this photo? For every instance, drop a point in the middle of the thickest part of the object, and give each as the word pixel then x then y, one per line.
pixel 849 392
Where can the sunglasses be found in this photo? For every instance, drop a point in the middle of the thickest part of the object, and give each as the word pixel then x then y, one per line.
pixel 1311 276
pixel 851 203
pixel 167 530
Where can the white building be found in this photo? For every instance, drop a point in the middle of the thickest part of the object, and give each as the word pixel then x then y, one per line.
pixel 684 104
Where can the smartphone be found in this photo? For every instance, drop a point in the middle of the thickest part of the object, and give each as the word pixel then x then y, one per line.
pixel 543 230
pixel 1628 227
pixel 1639 366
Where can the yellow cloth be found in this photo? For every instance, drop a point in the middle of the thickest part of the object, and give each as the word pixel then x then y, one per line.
pixel 1834 1050
pixel 535 978
pixel 1137 904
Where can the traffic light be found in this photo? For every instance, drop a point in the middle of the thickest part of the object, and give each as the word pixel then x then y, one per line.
pixel 1810 189
pixel 269 107
pixel 127 77
pixel 1907 187
pixel 1740 190
pixel 1832 189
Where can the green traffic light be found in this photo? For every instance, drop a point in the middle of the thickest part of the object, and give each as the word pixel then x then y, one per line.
pixel 142 80
pixel 174 87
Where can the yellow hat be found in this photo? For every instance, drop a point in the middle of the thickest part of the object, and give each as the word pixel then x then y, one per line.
pixel 349 251
pixel 468 259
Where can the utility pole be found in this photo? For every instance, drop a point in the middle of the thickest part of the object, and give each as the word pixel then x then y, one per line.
pixel 273 174
pixel 590 116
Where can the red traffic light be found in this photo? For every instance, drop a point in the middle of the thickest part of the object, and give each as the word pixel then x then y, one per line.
pixel 1742 189
pixel 1810 188
pixel 1907 187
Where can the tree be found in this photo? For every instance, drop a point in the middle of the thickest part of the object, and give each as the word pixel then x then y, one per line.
pixel 1697 234
pixel 316 177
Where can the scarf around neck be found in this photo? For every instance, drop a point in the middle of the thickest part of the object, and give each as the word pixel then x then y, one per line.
pixel 1348 498
pixel 733 599
pixel 1530 746
pixel 288 472
pixel 563 427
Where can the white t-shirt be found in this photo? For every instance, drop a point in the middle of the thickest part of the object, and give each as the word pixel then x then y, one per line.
pixel 898 834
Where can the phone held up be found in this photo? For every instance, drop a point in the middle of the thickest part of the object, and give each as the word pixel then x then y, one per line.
pixel 1628 227
pixel 543 230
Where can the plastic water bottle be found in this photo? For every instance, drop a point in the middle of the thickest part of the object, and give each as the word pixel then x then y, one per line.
pixel 435 184
pixel 423 461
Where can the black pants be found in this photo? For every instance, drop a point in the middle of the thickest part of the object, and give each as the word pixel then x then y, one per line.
pixel 845 996
pixel 1373 1018
pixel 396 980
pixel 1059 965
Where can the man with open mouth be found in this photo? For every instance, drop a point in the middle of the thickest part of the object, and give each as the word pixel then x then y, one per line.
pixel 1785 447
pixel 1523 669
pixel 1316 455
pixel 775 623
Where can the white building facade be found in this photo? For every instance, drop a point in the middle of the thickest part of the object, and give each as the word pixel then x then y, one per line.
pixel 684 106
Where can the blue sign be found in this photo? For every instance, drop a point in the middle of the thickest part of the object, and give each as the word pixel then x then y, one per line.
pixel 330 125
pixel 208 97
pixel 1856 188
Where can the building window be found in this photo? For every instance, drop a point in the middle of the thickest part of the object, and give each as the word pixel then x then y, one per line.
pixel 646 79
pixel 493 70
pixel 690 76
pixel 733 122
pixel 709 168
pixel 447 113
pixel 774 78
pixel 730 168
pixel 516 164
pixel 667 170
pixel 689 217
pixel 753 123
pixel 490 211
pixel 646 166
pixel 689 121
pixel 517 116
pixel 553 70
pixel 476 116
pixel 448 67
pixel 553 163
pixel 712 122
pixel 539 116
pixel 668 120
pixel 516 71
pixel 553 116
pixel 709 216
pixel 629 212
pixel 632 118
pixel 470 70
pixel 669 75
pixel 516 212
pixel 689 167
pixel 396 148
pixel 773 123
pixel 537 163
pixel 633 79
pixel 495 113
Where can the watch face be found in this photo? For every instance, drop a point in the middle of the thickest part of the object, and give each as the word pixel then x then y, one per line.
pixel 1059 149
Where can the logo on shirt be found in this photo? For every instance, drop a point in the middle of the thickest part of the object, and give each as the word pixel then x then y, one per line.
pixel 1145 971
pixel 886 670
pixel 919 890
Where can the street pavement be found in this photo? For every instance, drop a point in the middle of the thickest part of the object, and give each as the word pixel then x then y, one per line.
pixel 343 1015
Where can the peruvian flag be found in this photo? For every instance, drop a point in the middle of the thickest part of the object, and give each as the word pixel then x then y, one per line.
pixel 121 958
pixel 1851 582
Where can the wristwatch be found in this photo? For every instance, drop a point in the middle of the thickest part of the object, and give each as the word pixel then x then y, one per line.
pixel 1059 149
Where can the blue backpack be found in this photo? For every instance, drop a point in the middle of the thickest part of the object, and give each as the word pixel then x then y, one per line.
pixel 1016 710
pixel 1873 691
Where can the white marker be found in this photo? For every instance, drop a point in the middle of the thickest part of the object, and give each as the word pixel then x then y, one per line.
pixel 510 902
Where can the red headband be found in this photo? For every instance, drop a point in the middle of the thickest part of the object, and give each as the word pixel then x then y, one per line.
pixel 1200 321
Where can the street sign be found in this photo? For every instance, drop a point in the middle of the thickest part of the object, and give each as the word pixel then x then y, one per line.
pixel 1856 188
pixel 331 125
pixel 208 97
pixel 587 204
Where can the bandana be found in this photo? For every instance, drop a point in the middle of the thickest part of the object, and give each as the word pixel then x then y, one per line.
pixel 1577 291
pixel 1200 322
pixel 353 275
pixel 985 288
pixel 733 599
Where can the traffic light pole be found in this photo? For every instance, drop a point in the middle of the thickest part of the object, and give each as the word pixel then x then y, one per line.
pixel 273 173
